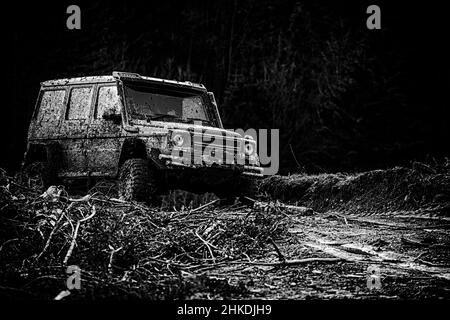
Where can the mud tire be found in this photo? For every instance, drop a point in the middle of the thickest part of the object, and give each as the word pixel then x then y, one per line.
pixel 136 181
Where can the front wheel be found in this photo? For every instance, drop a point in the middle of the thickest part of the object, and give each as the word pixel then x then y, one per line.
pixel 136 181
pixel 242 187
pixel 226 198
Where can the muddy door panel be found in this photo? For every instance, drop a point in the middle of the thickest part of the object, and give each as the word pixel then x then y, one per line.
pixel 74 131
pixel 104 142
pixel 74 158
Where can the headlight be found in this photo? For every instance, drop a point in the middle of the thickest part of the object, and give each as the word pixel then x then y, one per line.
pixel 249 145
pixel 249 148
pixel 178 140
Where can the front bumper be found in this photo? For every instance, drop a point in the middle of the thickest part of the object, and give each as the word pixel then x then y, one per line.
pixel 247 170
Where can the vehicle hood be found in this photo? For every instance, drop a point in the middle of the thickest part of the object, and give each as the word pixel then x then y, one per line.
pixel 163 126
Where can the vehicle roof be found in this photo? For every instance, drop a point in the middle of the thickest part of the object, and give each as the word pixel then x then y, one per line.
pixel 120 76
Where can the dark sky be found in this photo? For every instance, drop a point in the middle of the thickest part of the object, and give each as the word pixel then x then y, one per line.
pixel 37 46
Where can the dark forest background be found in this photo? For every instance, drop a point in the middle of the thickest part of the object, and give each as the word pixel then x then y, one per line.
pixel 345 98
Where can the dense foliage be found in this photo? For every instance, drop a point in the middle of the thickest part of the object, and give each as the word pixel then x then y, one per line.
pixel 344 97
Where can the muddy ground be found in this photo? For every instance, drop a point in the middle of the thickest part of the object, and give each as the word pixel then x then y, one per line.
pixel 411 254
pixel 325 241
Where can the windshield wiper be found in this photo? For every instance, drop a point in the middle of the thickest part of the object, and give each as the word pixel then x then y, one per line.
pixel 200 119
pixel 160 116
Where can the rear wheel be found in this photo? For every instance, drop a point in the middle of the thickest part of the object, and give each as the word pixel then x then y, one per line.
pixel 136 181
pixel 42 170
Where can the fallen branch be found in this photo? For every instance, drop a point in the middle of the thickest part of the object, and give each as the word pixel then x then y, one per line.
pixel 284 208
pixel 113 251
pixel 21 186
pixel 291 262
pixel 431 264
pixel 280 255
pixel 75 234
pixel 62 295
pixel 203 206
pixel 86 198
pixel 413 242
pixel 6 242
pixel 47 243
pixel 208 245
pixel 72 243
pixel 381 223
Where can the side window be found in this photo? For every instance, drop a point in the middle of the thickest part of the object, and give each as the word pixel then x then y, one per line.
pixel 79 103
pixel 193 108
pixel 51 107
pixel 107 101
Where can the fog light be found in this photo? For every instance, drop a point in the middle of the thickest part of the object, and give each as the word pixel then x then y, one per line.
pixel 178 140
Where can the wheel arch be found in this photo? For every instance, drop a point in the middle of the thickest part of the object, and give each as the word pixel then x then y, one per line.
pixel 136 148
pixel 132 148
pixel 50 152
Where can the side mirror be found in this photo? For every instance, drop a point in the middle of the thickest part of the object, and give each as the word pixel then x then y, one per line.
pixel 113 117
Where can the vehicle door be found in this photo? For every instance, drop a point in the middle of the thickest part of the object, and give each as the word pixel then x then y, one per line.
pixel 103 149
pixel 74 130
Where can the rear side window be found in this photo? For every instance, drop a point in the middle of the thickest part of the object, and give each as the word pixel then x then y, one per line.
pixel 107 101
pixel 51 107
pixel 79 103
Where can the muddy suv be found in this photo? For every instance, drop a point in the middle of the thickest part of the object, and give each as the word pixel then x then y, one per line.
pixel 150 134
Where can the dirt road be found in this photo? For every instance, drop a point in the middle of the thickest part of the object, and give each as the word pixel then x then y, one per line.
pixel 408 258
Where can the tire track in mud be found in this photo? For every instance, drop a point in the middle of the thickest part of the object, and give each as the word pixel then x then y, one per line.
pixel 359 253
pixel 355 239
pixel 428 213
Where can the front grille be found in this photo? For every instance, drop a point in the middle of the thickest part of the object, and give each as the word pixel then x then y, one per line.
pixel 226 148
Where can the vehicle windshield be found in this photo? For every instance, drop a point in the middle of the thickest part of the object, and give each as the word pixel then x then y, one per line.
pixel 165 104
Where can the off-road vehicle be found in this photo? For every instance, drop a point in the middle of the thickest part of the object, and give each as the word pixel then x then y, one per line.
pixel 150 134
